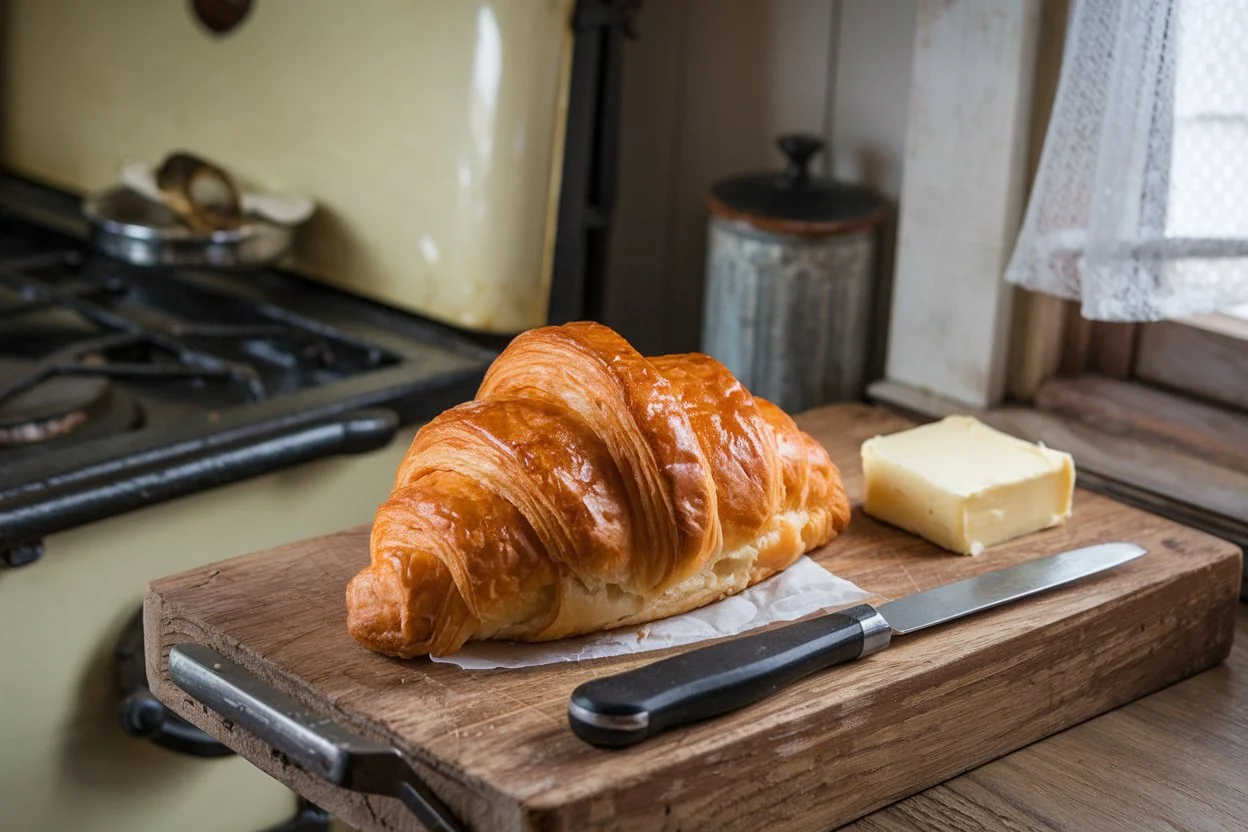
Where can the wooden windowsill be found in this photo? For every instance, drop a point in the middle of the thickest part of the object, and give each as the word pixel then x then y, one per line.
pixel 1235 326
pixel 1166 481
pixel 1020 789
pixel 1125 408
pixel 1158 474
pixel 1203 359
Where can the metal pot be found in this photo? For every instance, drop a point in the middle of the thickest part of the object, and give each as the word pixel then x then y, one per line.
pixel 130 227
pixel 789 290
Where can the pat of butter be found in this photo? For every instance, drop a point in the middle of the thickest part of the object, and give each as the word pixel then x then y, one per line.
pixel 965 486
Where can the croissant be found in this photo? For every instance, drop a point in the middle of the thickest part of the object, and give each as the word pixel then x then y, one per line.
pixel 587 487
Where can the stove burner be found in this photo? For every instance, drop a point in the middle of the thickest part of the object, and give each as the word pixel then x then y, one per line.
pixel 60 405
pixel 89 357
pixel 122 387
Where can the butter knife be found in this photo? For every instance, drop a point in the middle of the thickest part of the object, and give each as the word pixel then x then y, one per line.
pixel 624 709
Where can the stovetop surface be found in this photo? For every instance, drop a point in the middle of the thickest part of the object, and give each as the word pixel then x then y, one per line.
pixel 177 346
pixel 114 365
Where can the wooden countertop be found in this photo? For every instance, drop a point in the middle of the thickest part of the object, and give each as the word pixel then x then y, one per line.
pixel 496 749
pixel 1175 760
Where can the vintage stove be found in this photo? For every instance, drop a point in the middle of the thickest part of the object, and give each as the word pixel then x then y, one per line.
pixel 152 420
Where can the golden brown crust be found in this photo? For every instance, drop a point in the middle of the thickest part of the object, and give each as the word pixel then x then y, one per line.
pixel 588 487
pixel 736 440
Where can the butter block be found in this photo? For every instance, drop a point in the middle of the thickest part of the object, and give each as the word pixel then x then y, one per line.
pixel 965 486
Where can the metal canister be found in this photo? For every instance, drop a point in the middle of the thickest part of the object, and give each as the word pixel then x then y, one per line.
pixel 790 280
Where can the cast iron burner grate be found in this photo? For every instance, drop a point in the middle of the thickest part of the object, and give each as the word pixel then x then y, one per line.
pixel 122 386
pixel 168 355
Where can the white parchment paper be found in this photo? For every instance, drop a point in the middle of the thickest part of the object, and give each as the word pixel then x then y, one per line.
pixel 803 588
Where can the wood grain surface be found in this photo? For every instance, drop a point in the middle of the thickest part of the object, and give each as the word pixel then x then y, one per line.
pixel 1205 361
pixel 1171 761
pixel 1170 474
pixel 495 746
pixel 1135 410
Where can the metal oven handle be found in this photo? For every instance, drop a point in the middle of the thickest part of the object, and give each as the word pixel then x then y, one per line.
pixel 183 469
pixel 315 743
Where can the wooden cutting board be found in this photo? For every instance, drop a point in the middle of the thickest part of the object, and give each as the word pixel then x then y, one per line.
pixel 496 747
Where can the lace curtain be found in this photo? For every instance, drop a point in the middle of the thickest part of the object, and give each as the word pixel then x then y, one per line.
pixel 1139 209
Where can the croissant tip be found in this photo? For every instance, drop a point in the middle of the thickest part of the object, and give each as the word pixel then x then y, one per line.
pixel 375 615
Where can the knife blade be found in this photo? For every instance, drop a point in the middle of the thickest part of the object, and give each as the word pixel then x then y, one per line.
pixel 626 708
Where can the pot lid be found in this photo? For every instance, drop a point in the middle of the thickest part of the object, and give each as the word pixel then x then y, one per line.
pixel 794 202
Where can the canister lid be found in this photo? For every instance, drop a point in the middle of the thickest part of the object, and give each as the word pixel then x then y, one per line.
pixel 794 202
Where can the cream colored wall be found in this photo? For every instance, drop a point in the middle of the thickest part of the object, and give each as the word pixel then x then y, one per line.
pixel 707 87
pixel 307 96
pixel 874 57
pixel 425 128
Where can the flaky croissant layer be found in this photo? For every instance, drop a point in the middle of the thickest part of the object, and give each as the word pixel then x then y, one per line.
pixel 587 487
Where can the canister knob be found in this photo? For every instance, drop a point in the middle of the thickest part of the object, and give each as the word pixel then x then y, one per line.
pixel 798 149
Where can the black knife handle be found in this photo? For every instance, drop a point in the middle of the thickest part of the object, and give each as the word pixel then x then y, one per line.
pixel 624 709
